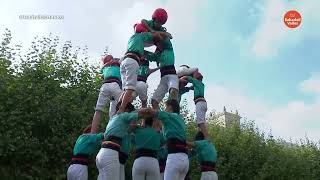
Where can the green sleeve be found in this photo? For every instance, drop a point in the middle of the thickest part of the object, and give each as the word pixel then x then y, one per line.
pixel 96 137
pixel 190 79
pixel 163 116
pixel 152 56
pixel 147 36
pixel 128 117
pixel 150 23
pixel 101 71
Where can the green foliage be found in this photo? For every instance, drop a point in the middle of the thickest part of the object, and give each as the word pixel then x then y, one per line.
pixel 48 95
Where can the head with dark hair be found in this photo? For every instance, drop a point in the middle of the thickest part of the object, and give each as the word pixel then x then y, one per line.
pixel 148 121
pixel 185 66
pixel 87 130
pixel 172 106
pixel 199 136
pixel 129 107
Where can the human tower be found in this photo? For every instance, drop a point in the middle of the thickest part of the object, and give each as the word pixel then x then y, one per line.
pixel 158 137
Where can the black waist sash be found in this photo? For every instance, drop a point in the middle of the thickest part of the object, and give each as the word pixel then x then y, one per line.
pixel 133 55
pixel 80 159
pixel 145 153
pixel 176 146
pixel 166 70
pixel 112 79
pixel 208 166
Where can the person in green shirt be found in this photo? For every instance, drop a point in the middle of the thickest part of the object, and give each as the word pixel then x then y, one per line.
pixel 164 55
pixel 147 142
pixel 107 160
pixel 142 86
pixel 199 100
pixel 130 65
pixel 207 156
pixel 86 145
pixel 174 131
pixel 159 18
pixel 110 89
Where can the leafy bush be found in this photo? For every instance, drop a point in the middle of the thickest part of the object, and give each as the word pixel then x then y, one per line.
pixel 48 95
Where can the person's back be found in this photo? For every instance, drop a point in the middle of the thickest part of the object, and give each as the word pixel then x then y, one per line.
pixel 86 145
pixel 147 142
pixel 207 156
pixel 174 131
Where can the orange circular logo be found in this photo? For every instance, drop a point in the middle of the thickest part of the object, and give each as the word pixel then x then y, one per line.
pixel 292 19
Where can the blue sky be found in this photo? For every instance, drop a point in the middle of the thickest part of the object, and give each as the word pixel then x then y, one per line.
pixel 250 60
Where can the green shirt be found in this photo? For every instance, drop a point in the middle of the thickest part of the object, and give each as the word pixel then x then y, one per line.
pixel 126 143
pixel 147 138
pixel 111 71
pixel 88 144
pixel 206 151
pixel 198 87
pixel 143 71
pixel 136 42
pixel 165 58
pixel 173 125
pixel 119 124
pixel 151 25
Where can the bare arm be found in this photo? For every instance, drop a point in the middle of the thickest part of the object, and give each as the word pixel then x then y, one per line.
pixel 143 112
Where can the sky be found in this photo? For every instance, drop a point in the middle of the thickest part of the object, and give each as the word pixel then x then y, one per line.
pixel 250 60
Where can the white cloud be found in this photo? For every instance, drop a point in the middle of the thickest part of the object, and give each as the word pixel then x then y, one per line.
pixel 98 24
pixel 311 85
pixel 295 120
pixel 272 35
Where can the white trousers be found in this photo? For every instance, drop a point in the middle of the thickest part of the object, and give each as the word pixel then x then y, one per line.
pixel 129 73
pixel 141 91
pixel 108 91
pixel 122 172
pixel 112 108
pixel 209 175
pixel 166 83
pixel 201 110
pixel 146 168
pixel 108 164
pixel 177 166
pixel 77 172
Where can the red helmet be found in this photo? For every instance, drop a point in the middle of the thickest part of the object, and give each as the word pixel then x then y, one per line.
pixel 107 58
pixel 139 28
pixel 197 75
pixel 160 15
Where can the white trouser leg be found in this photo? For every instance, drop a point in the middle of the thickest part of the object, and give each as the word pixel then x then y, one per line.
pixel 122 172
pixel 108 91
pixel 201 109
pixel 177 166
pixel 146 168
pixel 167 82
pixel 108 164
pixel 77 172
pixel 112 108
pixel 129 73
pixel 209 175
